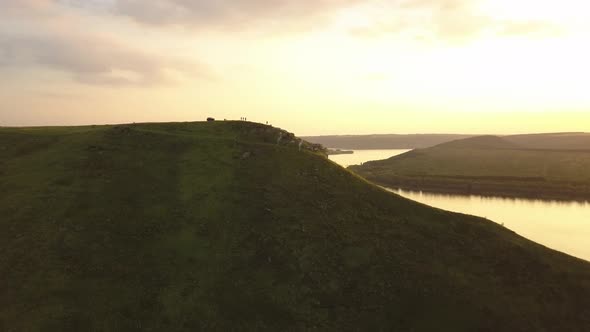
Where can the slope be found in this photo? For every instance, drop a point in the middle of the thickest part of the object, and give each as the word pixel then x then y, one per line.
pixel 480 142
pixel 555 141
pixel 488 165
pixel 392 141
pixel 215 226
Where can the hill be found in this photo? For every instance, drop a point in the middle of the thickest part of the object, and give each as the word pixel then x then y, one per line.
pixel 372 142
pixel 534 166
pixel 556 141
pixel 479 142
pixel 215 226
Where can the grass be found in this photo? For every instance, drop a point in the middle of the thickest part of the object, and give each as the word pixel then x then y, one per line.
pixel 378 142
pixel 215 226
pixel 488 165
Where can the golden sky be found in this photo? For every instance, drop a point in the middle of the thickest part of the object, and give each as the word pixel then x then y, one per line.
pixel 309 66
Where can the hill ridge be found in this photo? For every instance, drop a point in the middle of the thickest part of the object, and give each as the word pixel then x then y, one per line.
pixel 116 229
pixel 478 142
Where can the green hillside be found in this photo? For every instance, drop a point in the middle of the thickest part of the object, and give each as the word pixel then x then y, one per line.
pixel 215 226
pixel 480 142
pixel 550 166
pixel 556 141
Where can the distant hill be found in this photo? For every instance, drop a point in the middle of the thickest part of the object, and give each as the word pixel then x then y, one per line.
pixel 223 226
pixel 551 166
pixel 369 142
pixel 480 142
pixel 557 141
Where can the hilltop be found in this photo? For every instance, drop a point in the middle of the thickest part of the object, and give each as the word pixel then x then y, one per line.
pixel 555 141
pixel 479 142
pixel 372 142
pixel 224 226
pixel 552 166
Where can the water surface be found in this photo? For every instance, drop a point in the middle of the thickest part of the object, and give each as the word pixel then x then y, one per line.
pixel 564 226
pixel 361 156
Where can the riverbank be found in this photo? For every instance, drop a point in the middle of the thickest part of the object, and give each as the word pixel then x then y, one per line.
pixel 507 188
pixel 561 225
pixel 488 165
pixel 333 152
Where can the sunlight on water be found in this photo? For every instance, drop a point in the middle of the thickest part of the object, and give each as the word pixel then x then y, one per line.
pixel 361 156
pixel 563 226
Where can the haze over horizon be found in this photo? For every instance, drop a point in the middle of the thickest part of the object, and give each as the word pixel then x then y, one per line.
pixel 313 67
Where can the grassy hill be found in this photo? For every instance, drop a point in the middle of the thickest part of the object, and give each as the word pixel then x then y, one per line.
pixel 372 142
pixel 557 141
pixel 539 166
pixel 480 142
pixel 215 226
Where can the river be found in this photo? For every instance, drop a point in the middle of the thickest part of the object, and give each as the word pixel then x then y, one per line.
pixel 361 156
pixel 564 226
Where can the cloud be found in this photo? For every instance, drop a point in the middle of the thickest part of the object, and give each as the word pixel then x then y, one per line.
pixel 224 14
pixel 89 59
pixel 530 28
pixel 441 19
pixel 53 33
pixel 444 20
pixel 59 42
pixel 18 9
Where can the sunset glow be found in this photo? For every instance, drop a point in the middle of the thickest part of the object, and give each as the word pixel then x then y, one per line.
pixel 354 66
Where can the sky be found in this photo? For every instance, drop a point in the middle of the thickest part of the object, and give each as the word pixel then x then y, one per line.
pixel 314 67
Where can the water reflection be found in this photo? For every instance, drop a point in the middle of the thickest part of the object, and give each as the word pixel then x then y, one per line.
pixel 561 225
pixel 361 156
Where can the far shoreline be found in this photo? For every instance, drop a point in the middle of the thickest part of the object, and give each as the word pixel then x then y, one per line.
pixel 499 190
